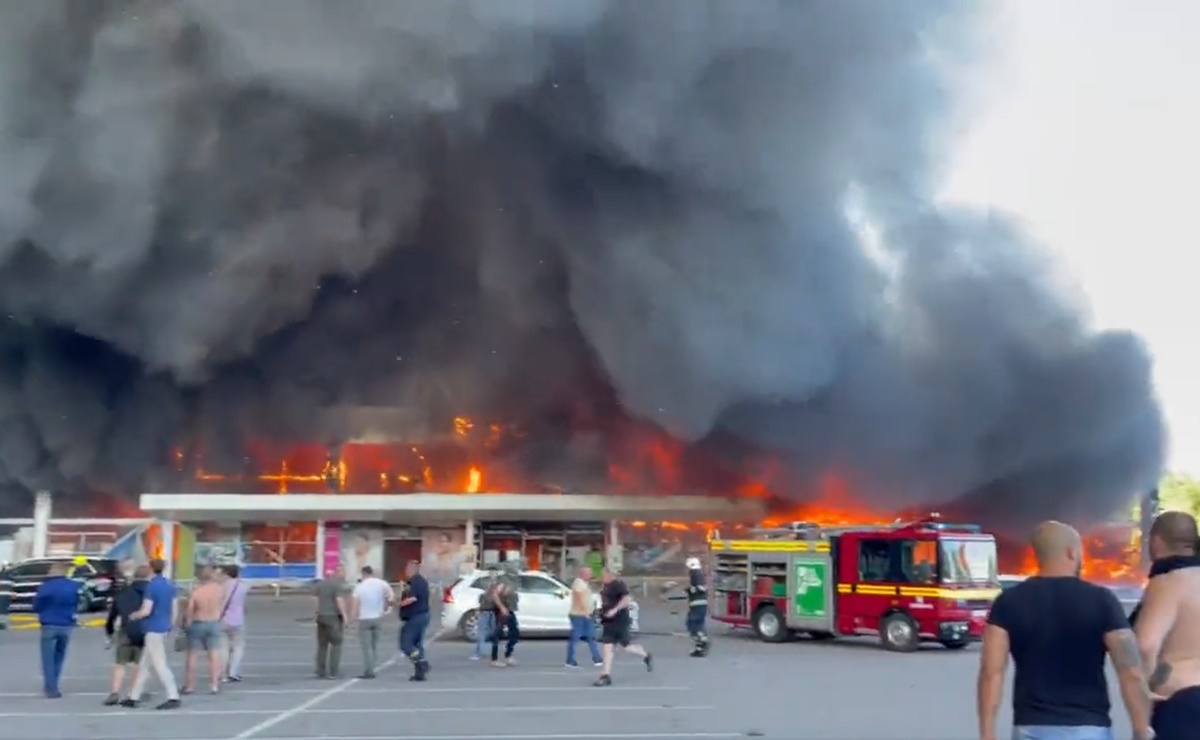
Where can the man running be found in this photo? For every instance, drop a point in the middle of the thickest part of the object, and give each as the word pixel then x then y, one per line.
pixel 126 635
pixel 333 607
pixel 1058 629
pixel 485 616
pixel 233 622
pixel 615 600
pixel 583 626
pixel 414 618
pixel 1168 626
pixel 55 603
pixel 202 620
pixel 159 613
pixel 372 599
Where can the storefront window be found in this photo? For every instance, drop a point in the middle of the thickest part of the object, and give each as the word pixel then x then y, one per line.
pixel 265 544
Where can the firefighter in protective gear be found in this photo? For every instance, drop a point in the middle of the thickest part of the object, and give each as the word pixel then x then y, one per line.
pixel 697 612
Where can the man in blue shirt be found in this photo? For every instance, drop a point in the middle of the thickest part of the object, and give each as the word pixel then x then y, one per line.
pixel 56 604
pixel 414 618
pixel 158 615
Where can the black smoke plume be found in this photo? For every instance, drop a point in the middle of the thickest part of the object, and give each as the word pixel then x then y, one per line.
pixel 221 219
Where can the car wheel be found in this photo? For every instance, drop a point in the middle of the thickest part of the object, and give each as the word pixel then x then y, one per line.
pixel 898 633
pixel 468 626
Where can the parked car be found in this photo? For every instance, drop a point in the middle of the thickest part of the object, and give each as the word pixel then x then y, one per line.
pixel 100 578
pixel 544 604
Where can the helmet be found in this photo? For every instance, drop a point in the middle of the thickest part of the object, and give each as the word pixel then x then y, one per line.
pixel 692 563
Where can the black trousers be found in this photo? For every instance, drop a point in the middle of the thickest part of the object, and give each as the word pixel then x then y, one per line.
pixel 505 626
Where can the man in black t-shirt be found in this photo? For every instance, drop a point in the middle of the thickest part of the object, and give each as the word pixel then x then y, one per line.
pixel 617 623
pixel 414 619
pixel 1058 629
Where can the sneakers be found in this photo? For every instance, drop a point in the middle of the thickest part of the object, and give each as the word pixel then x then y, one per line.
pixel 604 680
pixel 170 704
pixel 499 664
pixel 112 700
pixel 649 661
pixel 598 664
pixel 510 661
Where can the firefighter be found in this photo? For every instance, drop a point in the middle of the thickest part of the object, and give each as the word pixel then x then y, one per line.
pixel 697 612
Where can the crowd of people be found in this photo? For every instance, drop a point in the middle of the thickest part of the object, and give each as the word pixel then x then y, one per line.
pixel 209 624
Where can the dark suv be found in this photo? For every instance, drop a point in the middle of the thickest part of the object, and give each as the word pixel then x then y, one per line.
pixel 99 577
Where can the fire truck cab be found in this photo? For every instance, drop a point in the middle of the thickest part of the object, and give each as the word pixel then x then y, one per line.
pixel 924 581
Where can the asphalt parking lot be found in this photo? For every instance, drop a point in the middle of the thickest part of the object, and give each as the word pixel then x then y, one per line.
pixel 845 690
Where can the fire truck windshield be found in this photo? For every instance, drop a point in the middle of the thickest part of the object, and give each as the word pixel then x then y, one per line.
pixel 968 562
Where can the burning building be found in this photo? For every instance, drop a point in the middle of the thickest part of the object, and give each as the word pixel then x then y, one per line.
pixel 535 249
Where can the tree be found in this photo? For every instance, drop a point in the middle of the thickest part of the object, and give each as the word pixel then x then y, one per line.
pixel 1178 492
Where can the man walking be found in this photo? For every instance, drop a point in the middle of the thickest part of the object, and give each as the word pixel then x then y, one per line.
pixel 333 608
pixel 126 635
pixel 55 603
pixel 506 600
pixel 159 613
pixel 202 620
pixel 583 626
pixel 1058 629
pixel 615 600
pixel 414 618
pixel 373 598
pixel 1168 626
pixel 233 622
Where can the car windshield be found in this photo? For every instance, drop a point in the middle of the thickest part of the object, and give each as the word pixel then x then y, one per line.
pixel 968 562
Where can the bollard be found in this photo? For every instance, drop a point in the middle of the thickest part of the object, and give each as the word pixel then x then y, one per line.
pixel 278 591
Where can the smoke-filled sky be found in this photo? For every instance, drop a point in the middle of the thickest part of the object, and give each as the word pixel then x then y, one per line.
pixel 220 218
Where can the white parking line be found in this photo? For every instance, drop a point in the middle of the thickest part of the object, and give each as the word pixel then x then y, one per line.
pixel 403 692
pixel 522 736
pixel 309 707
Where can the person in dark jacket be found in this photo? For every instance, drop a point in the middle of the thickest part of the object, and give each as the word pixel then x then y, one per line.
pixel 414 619
pixel 56 604
pixel 126 636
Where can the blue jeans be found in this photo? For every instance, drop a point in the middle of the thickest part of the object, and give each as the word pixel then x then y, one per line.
pixel 485 624
pixel 582 628
pixel 1051 732
pixel 54 655
pixel 412 637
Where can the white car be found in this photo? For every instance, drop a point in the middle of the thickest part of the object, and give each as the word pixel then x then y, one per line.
pixel 544 604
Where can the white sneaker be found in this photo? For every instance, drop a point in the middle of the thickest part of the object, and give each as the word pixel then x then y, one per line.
pixel 477 658
pixel 498 664
pixel 510 661
pixel 598 664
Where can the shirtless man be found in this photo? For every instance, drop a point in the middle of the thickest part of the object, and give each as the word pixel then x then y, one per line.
pixel 1168 626
pixel 202 619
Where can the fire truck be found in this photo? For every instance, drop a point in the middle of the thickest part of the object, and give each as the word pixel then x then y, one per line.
pixel 908 583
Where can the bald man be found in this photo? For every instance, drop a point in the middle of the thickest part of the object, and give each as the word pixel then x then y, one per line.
pixel 1058 629
pixel 1168 626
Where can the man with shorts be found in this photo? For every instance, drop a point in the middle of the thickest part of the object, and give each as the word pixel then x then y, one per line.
pixel 127 636
pixel 1168 626
pixel 617 624
pixel 202 620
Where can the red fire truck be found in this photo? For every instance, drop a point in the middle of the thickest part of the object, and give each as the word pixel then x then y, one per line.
pixel 907 583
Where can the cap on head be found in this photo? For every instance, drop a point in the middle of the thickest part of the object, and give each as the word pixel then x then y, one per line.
pixel 692 563
pixel 1056 543
pixel 1174 533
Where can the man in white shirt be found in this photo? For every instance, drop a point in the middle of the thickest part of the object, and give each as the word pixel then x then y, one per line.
pixel 372 600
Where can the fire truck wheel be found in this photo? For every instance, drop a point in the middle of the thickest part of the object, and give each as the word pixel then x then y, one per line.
pixel 899 633
pixel 769 626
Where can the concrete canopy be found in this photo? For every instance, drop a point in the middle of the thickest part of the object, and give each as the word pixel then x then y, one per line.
pixel 447 508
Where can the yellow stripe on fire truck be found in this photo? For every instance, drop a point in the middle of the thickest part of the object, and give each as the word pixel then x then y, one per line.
pixel 969 594
pixel 760 546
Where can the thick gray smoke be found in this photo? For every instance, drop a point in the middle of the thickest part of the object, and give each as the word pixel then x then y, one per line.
pixel 220 219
